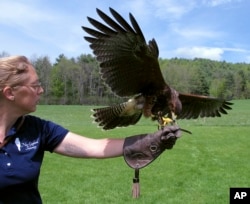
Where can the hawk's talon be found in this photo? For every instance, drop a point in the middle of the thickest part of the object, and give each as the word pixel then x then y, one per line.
pixel 163 121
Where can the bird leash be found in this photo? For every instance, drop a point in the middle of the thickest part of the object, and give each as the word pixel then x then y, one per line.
pixel 140 150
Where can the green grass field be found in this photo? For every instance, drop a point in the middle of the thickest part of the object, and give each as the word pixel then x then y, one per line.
pixel 199 169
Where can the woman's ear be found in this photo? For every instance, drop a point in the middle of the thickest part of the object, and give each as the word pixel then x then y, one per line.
pixel 8 93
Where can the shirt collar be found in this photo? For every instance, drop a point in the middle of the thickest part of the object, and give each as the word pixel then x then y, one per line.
pixel 18 124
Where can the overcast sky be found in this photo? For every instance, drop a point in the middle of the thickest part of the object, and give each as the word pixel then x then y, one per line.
pixel 213 29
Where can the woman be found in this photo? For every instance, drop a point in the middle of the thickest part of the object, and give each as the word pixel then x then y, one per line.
pixel 24 138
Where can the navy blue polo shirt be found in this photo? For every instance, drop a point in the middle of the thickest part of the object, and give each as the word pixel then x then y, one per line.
pixel 22 156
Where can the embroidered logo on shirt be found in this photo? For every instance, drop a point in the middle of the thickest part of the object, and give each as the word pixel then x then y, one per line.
pixel 18 144
pixel 26 146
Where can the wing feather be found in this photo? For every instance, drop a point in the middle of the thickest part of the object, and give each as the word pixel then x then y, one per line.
pixel 110 21
pixel 95 33
pixel 194 106
pixel 127 64
pixel 122 21
pixel 101 27
pixel 136 27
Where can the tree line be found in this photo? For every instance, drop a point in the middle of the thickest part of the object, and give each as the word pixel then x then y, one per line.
pixel 77 80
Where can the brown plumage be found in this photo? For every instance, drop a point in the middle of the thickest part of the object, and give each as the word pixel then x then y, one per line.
pixel 129 66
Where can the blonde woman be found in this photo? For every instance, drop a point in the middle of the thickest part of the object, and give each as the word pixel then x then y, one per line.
pixel 24 138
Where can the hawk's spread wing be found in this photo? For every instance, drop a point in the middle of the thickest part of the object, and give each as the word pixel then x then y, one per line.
pixel 127 64
pixel 194 106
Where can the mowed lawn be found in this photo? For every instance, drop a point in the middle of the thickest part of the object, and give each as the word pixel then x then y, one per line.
pixel 200 168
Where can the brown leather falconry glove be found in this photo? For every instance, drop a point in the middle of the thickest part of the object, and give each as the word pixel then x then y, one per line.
pixel 140 150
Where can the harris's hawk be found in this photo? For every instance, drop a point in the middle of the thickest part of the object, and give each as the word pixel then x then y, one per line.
pixel 130 67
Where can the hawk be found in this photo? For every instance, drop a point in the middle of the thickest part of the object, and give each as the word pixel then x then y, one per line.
pixel 130 67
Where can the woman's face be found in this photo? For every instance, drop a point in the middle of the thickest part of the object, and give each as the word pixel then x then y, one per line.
pixel 28 94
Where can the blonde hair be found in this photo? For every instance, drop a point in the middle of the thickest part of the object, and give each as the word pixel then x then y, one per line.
pixel 13 70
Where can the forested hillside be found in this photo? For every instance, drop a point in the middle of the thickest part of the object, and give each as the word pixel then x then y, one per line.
pixel 77 80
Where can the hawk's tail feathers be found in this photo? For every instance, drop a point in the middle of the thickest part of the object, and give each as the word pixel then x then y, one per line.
pixel 113 116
